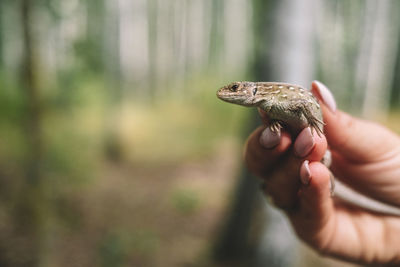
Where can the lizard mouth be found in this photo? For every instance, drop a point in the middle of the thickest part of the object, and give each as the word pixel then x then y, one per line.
pixel 222 94
pixel 226 96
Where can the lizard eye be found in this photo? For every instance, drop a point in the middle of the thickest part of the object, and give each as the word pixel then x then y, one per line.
pixel 234 87
pixel 254 91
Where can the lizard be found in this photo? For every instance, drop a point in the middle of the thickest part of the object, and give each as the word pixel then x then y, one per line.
pixel 294 107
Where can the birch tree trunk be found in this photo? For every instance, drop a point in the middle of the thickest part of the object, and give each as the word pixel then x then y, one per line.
pixel 238 242
pixel 291 60
pixel 379 70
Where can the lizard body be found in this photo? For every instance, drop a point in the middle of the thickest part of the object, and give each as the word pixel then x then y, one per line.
pixel 287 105
pixel 295 108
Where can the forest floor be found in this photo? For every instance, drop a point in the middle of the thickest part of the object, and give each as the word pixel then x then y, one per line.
pixel 137 215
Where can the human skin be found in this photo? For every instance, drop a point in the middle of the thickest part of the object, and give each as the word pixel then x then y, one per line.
pixel 365 155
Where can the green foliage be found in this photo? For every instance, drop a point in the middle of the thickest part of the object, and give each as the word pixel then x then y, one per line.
pixel 112 251
pixel 87 54
pixel 185 201
pixel 144 241
pixel 11 101
pixel 117 247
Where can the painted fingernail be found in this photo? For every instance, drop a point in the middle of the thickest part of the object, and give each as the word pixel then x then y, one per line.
pixel 305 173
pixel 304 143
pixel 325 95
pixel 332 184
pixel 269 139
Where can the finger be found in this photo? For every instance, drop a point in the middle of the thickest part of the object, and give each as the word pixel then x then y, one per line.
pixel 283 182
pixel 339 230
pixel 316 208
pixel 351 137
pixel 310 145
pixel 315 192
pixel 259 159
pixel 359 176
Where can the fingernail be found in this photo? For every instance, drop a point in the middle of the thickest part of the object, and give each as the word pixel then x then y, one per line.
pixel 332 184
pixel 269 139
pixel 304 143
pixel 305 173
pixel 325 95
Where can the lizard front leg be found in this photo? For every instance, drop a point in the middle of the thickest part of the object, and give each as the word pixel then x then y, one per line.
pixel 304 111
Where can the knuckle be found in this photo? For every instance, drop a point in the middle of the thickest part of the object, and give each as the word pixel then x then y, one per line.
pixel 320 245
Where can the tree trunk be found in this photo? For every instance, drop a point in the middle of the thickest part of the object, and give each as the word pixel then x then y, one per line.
pixel 152 6
pixel 112 146
pixel 381 58
pixel 30 86
pixel 282 52
pixel 28 217
pixel 290 45
pixel 216 33
pixel 237 242
pixel 1 35
pixel 234 245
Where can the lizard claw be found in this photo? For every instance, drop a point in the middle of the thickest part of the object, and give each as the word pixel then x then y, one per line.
pixel 317 125
pixel 275 127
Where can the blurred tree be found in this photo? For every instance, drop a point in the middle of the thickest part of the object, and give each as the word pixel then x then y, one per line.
pixel 30 85
pixel 95 35
pixel 112 51
pixel 292 56
pixel 395 90
pixel 238 243
pixel 380 52
pixel 89 49
pixel 28 220
pixel 216 33
pixel 152 9
pixel 114 81
pixel 1 34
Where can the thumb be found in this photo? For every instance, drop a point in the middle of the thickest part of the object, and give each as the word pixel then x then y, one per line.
pixel 355 139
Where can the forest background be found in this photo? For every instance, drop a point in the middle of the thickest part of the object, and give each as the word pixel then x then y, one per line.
pixel 114 150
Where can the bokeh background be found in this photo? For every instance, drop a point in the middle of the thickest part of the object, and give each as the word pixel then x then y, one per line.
pixel 114 150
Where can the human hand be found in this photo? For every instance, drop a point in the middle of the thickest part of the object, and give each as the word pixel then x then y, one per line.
pixel 365 156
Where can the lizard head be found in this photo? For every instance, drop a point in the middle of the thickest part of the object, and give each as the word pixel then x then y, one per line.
pixel 242 93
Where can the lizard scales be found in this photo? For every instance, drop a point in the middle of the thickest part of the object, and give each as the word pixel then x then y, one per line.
pixel 294 107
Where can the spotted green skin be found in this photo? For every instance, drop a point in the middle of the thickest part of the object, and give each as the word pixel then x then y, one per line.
pixel 287 105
